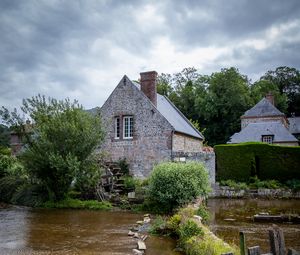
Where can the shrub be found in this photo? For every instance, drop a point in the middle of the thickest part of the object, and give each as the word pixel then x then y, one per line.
pixel 204 213
pixel 187 230
pixel 9 185
pixel 239 162
pixel 173 222
pixel 123 164
pixel 159 226
pixel 234 184
pixel 175 184
pixel 293 184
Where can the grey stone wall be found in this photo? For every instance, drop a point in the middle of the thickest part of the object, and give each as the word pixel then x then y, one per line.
pixel 207 158
pixel 152 133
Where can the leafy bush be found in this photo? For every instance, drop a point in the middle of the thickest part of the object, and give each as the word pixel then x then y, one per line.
pixel 234 184
pixel 204 213
pixel 29 194
pixel 9 185
pixel 267 184
pixel 158 226
pixel 173 222
pixel 175 184
pixel 123 164
pixel 187 230
pixel 293 184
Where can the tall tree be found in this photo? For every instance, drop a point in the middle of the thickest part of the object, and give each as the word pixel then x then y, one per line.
pixel 287 79
pixel 61 142
pixel 227 99
pixel 262 87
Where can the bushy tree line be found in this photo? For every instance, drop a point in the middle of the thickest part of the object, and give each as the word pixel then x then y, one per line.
pixel 218 100
pixel 58 146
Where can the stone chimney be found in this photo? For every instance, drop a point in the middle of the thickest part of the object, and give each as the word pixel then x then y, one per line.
pixel 148 85
pixel 270 97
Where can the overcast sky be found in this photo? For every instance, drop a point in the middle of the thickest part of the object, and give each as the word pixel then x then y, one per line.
pixel 81 49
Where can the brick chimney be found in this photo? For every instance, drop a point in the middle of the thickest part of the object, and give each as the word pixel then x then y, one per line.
pixel 148 85
pixel 270 97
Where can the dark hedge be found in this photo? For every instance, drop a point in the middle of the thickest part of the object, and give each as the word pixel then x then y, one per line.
pixel 239 162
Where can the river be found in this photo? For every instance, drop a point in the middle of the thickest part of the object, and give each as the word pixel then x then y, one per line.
pixel 229 216
pixel 56 231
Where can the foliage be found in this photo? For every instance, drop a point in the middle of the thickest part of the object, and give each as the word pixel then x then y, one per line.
pixel 187 230
pixel 218 100
pixel 175 184
pixel 173 222
pixel 159 226
pixel 239 162
pixel 204 213
pixel 287 80
pixel 262 87
pixel 59 144
pixel 293 184
pixel 123 164
pixel 234 184
pixel 9 185
pixel 78 204
pixel 268 184
pixel 4 136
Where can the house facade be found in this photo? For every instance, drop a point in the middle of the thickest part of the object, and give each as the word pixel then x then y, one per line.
pixel 145 127
pixel 265 123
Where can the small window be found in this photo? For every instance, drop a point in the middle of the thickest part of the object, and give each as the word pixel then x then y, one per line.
pixel 117 127
pixel 267 139
pixel 127 127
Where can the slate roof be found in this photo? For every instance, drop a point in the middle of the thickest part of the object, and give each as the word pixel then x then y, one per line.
pixel 253 133
pixel 294 127
pixel 174 116
pixel 263 108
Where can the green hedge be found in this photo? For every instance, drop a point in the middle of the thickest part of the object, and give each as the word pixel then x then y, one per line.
pixel 239 162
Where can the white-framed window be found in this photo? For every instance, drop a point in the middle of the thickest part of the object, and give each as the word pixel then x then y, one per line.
pixel 117 127
pixel 267 138
pixel 128 127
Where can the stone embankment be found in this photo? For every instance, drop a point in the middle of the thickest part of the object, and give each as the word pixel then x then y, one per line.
pixel 229 192
pixel 138 232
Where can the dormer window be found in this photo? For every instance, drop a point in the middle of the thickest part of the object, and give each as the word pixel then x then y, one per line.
pixel 128 127
pixel 267 138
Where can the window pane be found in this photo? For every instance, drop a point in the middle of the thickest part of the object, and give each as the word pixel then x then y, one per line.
pixel 117 127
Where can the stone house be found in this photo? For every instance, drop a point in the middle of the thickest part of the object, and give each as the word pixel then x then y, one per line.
pixel 265 123
pixel 145 127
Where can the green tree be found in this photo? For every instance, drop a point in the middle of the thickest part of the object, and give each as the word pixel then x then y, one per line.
pixel 4 136
pixel 262 87
pixel 228 97
pixel 60 143
pixel 287 79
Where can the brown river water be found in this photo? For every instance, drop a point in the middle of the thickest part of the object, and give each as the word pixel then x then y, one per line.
pixel 52 231
pixel 229 216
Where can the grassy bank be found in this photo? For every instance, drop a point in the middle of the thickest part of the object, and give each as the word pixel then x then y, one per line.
pixel 71 203
pixel 193 237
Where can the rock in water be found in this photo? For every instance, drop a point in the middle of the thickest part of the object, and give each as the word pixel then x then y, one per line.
pixel 141 245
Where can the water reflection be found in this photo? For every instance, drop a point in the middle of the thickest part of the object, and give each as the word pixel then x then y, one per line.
pixel 229 216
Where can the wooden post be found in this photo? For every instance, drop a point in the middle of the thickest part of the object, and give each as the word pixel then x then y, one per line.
pixel 242 243
pixel 255 250
pixel 277 244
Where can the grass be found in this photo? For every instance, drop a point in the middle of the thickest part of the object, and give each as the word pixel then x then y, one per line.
pixel 70 203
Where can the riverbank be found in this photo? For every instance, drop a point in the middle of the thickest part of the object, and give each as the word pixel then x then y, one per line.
pixel 263 193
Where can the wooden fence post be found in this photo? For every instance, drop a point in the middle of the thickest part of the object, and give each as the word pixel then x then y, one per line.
pixel 255 250
pixel 276 241
pixel 242 243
